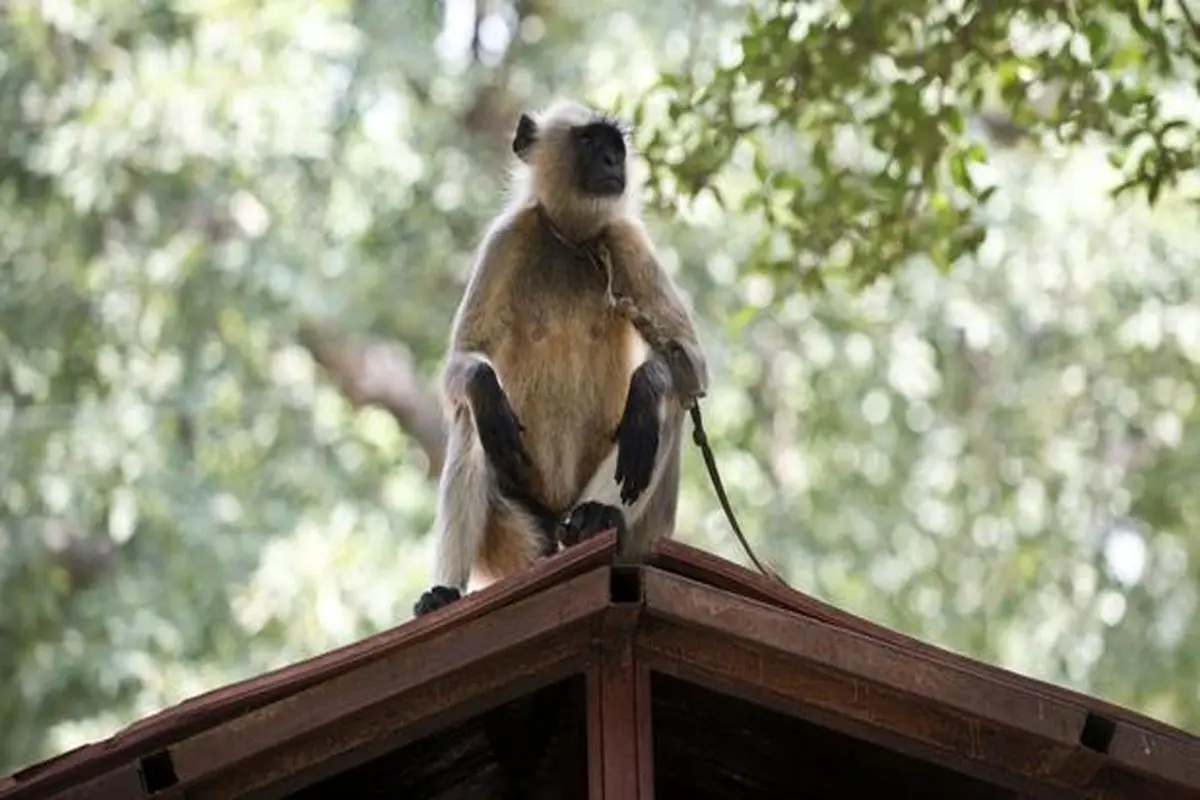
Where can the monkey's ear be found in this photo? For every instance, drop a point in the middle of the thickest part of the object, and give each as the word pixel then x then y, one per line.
pixel 524 138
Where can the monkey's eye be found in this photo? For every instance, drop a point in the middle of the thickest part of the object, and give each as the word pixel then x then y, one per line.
pixel 585 139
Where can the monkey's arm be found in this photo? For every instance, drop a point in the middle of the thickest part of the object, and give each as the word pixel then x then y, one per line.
pixel 469 380
pixel 647 295
pixel 670 380
pixel 474 333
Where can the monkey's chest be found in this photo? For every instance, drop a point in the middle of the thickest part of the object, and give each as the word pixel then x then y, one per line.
pixel 563 329
pixel 566 374
pixel 567 354
pixel 546 328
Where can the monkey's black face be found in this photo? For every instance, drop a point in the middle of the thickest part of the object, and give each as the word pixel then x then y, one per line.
pixel 599 159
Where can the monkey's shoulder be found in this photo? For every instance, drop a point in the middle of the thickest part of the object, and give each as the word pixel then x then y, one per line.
pixel 629 245
pixel 523 236
pixel 628 232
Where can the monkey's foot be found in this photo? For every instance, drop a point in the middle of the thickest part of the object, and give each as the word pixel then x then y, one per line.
pixel 588 519
pixel 435 598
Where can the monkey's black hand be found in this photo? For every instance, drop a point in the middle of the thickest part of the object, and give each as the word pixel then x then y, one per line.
pixel 435 598
pixel 588 519
pixel 637 437
pixel 499 431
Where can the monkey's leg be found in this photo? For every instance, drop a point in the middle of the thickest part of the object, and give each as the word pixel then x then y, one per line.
pixel 463 506
pixel 498 430
pixel 521 500
pixel 600 506
pixel 514 540
pixel 618 494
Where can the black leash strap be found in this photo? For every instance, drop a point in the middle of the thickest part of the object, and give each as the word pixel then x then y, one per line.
pixel 701 440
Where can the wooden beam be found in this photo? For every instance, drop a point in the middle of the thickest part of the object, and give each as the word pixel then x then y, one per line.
pixel 868 688
pixel 401 689
pixel 120 783
pixel 620 745
pixel 402 719
pixel 673 556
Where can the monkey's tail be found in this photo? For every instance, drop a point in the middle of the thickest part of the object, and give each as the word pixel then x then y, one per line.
pixel 701 440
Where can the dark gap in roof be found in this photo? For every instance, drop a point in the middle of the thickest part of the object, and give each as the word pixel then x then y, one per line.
pixel 532 748
pixel 157 772
pixel 1097 733
pixel 625 585
pixel 710 746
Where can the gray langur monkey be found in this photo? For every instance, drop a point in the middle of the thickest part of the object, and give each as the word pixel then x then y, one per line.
pixel 570 367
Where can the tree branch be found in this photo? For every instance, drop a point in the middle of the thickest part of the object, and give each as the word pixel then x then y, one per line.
pixel 382 374
pixel 1189 18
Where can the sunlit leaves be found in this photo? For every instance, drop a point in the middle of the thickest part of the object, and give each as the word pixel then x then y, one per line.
pixel 157 236
pixel 912 85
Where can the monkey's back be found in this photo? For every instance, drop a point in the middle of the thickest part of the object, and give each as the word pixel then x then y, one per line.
pixel 565 363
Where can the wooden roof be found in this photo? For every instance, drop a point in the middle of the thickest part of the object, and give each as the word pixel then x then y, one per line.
pixel 691 676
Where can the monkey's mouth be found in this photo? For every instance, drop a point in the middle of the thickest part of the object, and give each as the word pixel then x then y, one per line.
pixel 610 184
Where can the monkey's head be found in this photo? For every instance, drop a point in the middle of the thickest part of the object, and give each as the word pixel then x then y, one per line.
pixel 578 162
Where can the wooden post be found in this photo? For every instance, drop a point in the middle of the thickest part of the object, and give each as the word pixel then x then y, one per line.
pixel 620 745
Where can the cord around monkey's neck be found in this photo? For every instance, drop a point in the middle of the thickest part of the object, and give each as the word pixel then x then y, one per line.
pixel 595 251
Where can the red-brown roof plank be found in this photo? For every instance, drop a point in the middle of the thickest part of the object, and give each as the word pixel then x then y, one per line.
pixel 706 568
pixel 544 634
pixel 212 708
pixel 879 688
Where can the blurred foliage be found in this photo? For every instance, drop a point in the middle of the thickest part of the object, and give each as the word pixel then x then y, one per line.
pixel 996 458
pixel 886 164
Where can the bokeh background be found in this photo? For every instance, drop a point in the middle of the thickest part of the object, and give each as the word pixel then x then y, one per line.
pixel 955 374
